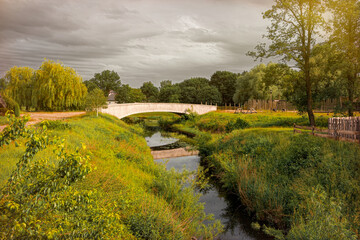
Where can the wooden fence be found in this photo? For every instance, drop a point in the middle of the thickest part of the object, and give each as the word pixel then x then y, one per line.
pixel 343 129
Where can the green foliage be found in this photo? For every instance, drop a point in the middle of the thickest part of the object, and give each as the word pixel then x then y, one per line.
pixel 57 87
pixel 125 196
pixel 10 103
pixel 238 124
pixel 38 200
pixel 55 125
pixel 106 80
pixel 126 94
pixel 95 100
pixel 198 90
pixel 17 110
pixel 150 91
pixel 19 85
pixel 169 92
pixel 319 217
pixel 277 176
pixel 14 130
pixel 225 82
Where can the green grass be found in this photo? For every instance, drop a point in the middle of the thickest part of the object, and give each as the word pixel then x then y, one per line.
pixel 3 120
pixel 150 202
pixel 306 185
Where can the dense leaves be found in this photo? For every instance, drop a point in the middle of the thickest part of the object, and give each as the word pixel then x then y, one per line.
pixel 106 80
pixel 95 100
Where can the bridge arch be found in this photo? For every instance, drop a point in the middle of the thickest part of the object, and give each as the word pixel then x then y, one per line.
pixel 127 109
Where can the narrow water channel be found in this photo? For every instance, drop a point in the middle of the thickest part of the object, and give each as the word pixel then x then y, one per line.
pixel 236 222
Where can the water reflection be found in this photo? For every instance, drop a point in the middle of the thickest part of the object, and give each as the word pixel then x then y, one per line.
pixel 235 220
pixel 157 140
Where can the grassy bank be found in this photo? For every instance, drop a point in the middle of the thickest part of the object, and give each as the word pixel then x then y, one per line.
pixel 300 186
pixel 125 195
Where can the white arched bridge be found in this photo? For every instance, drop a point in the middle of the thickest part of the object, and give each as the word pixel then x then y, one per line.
pixel 127 109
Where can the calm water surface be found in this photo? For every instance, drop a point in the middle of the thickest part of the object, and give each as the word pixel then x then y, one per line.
pixel 236 222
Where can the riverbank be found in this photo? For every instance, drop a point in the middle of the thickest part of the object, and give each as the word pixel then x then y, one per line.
pixel 128 196
pixel 301 186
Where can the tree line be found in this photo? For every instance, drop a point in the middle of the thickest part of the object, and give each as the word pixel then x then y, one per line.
pixel 317 41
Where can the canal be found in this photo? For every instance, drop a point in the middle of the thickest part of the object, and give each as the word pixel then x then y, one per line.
pixel 237 223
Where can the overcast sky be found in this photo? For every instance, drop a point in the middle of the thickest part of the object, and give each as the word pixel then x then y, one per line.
pixel 142 40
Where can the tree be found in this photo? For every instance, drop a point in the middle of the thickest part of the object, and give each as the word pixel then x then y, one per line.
pixel 123 94
pixel 136 95
pixel 198 90
pixel 19 85
pixel 57 87
pixel 169 92
pixel 248 85
pixel 95 100
pixel 150 91
pixel 346 38
pixel 106 80
pixel 295 25
pixel 225 82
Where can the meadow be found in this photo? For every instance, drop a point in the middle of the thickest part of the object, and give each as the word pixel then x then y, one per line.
pixel 105 185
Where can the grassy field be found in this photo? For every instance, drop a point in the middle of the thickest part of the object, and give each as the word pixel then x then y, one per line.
pixel 131 196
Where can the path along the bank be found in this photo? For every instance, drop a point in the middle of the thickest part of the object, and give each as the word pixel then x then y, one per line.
pixel 36 117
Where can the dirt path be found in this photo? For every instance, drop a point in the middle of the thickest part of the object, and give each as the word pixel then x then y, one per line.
pixel 36 117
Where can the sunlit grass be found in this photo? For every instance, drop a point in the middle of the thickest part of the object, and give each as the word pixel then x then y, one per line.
pixel 126 175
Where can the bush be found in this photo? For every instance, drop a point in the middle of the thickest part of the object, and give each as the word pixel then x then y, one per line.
pixel 17 110
pixel 57 124
pixel 238 124
pixel 10 103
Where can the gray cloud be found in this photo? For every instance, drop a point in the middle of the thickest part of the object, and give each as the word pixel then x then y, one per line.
pixel 143 40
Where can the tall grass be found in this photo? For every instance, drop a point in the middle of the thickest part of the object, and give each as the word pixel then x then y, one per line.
pixel 141 198
pixel 274 173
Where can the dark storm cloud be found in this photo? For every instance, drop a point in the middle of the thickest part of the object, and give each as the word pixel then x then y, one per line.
pixel 143 40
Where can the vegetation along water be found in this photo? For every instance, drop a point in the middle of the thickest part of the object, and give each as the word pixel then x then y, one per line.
pixel 92 178
pixel 294 186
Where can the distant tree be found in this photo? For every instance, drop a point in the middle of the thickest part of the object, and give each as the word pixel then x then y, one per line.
pixel 136 95
pixel 57 87
pixel 150 91
pixel 295 26
pixel 225 82
pixel 169 92
pixel 106 80
pixel 250 85
pixel 345 36
pixel 95 100
pixel 198 90
pixel 123 94
pixel 20 85
pixel 90 85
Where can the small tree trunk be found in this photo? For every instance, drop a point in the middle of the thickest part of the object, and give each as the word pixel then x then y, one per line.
pixel 350 89
pixel 308 95
pixel 97 114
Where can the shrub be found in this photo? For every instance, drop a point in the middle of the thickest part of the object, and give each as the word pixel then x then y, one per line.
pixel 238 124
pixel 17 110
pixel 57 124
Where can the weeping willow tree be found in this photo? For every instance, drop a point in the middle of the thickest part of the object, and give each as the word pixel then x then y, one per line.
pixel 19 85
pixel 57 87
